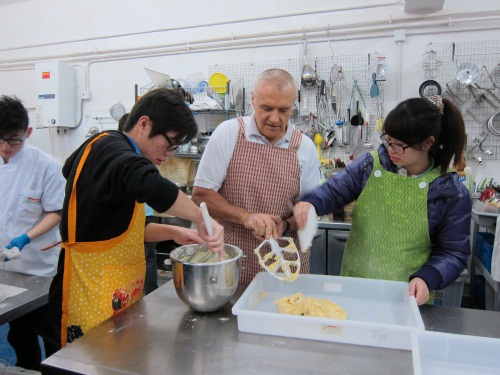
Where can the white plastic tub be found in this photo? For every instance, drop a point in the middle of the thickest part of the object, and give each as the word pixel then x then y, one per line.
pixel 379 313
pixel 436 353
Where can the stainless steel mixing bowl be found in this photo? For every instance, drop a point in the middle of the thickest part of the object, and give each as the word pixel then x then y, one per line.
pixel 205 286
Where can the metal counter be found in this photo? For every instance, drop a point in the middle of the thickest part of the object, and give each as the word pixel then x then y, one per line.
pixel 36 296
pixel 160 335
pixel 324 222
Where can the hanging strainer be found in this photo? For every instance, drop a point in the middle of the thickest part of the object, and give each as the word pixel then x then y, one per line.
pixel 117 111
pixel 468 73
pixel 493 124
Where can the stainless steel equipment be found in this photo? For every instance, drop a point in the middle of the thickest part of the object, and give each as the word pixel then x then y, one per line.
pixel 160 335
pixel 205 286
pixel 202 141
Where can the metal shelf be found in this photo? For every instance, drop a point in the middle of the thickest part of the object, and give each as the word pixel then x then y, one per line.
pixel 214 112
pixel 187 155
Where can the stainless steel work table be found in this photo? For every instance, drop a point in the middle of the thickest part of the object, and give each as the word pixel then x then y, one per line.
pixel 160 335
pixel 36 295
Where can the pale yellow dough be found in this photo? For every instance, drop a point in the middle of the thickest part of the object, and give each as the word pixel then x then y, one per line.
pixel 298 304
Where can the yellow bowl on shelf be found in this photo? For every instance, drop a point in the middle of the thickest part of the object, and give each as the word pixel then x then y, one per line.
pixel 218 82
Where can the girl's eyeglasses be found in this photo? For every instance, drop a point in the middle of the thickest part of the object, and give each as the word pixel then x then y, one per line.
pixel 397 148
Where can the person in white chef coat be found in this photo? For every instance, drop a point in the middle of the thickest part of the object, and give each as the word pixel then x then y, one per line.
pixel 31 199
pixel 254 169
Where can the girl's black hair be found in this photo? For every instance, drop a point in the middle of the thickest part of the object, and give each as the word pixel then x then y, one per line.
pixel 414 120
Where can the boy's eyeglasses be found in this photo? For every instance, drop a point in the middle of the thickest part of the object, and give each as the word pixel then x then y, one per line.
pixel 173 146
pixel 14 141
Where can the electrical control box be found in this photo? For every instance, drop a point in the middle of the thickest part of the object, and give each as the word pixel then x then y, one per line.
pixel 55 95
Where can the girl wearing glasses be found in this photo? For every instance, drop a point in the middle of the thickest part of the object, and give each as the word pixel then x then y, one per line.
pixel 411 220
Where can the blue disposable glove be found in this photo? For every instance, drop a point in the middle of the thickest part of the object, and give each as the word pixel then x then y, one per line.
pixel 19 242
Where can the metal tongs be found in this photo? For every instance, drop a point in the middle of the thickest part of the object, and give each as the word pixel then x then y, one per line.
pixel 281 262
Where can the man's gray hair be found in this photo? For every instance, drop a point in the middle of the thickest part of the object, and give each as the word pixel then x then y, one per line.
pixel 280 76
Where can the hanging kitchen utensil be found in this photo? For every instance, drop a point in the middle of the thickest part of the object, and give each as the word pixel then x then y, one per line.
pixel 468 73
pixel 117 111
pixel 429 88
pixel 459 102
pixel 374 88
pixel 380 119
pixel 318 141
pixel 357 119
pixel 334 74
pixel 309 77
pixel 340 131
pixel 487 85
pixel 493 124
pixel 496 76
pixel 367 144
pixel 282 262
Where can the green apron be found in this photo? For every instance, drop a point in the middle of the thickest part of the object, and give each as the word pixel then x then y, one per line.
pixel 389 238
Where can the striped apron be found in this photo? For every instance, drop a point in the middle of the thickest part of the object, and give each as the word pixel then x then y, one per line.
pixel 263 179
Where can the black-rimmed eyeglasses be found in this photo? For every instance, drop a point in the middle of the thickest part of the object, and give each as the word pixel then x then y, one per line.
pixel 173 146
pixel 397 148
pixel 13 141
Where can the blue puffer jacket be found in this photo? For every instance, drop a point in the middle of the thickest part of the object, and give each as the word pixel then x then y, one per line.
pixel 448 207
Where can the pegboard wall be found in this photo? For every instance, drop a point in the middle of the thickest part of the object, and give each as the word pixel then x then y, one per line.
pixel 469 74
pixel 328 107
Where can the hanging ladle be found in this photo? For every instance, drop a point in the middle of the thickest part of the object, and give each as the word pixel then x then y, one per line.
pixel 309 77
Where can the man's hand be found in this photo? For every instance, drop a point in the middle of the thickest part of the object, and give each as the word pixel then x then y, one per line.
pixel 262 225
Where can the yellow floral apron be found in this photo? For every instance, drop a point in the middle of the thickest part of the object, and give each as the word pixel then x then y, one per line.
pixel 101 278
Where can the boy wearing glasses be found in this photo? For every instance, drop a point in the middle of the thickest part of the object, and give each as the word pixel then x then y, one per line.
pixel 31 199
pixel 103 227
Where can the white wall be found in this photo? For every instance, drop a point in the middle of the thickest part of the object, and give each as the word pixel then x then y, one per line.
pixel 111 41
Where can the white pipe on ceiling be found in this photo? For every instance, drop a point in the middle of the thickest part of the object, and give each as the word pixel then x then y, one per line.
pixel 212 24
pixel 370 30
pixel 313 35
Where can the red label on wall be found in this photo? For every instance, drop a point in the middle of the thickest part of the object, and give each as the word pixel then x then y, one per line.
pixel 45 75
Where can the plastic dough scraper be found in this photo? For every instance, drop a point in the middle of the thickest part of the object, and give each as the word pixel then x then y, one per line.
pixel 307 234
pixel 282 262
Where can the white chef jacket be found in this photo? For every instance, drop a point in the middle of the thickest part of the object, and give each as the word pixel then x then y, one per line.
pixel 31 185
pixel 213 166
